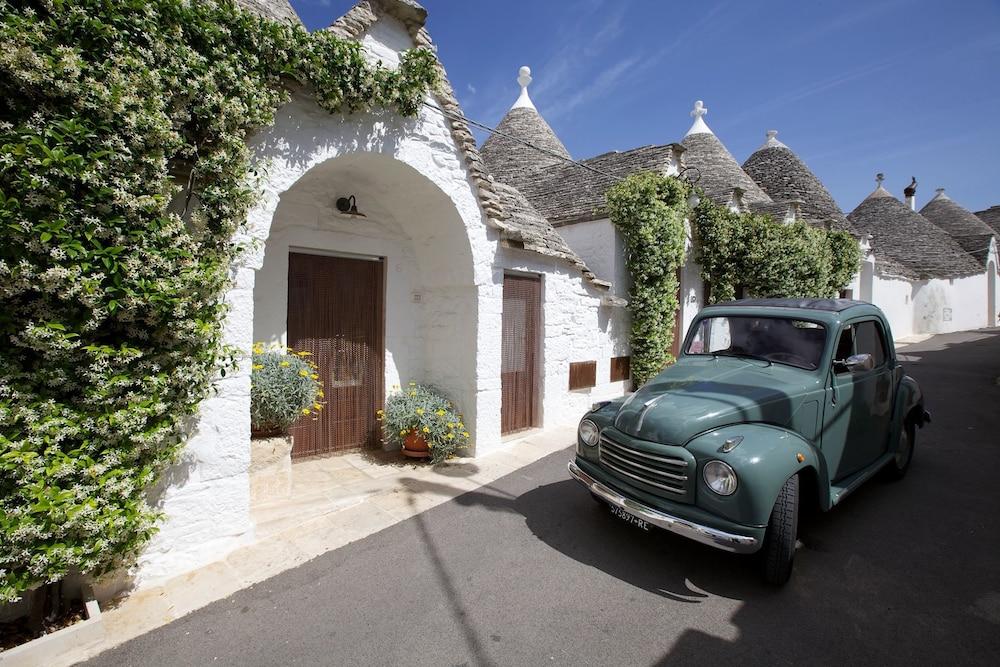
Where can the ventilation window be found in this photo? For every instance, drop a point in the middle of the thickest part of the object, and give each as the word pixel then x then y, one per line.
pixel 621 368
pixel 582 374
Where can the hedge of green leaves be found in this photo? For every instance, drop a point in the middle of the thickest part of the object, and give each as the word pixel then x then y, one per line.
pixel 769 259
pixel 123 177
pixel 649 210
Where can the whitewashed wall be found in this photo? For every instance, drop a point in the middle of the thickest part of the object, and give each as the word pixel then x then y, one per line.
pixel 895 297
pixel 576 328
pixel 943 306
pixel 206 496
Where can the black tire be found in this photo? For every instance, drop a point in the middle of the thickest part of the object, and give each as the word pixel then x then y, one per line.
pixel 778 551
pixel 896 468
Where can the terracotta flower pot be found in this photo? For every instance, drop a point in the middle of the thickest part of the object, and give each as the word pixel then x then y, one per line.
pixel 415 446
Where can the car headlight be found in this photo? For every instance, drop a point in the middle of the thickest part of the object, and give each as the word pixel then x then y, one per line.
pixel 720 478
pixel 589 433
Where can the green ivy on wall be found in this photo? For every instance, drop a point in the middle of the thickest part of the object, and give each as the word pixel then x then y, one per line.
pixel 769 259
pixel 649 210
pixel 114 118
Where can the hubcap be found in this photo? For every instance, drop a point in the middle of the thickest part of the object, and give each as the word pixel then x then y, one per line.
pixel 903 450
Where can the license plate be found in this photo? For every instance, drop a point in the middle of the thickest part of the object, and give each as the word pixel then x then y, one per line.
pixel 628 518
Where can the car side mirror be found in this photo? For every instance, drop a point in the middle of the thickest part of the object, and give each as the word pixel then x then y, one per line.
pixel 857 363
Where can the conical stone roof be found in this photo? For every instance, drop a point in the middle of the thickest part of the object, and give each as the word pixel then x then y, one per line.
pixel 968 231
pixel 947 214
pixel 991 217
pixel 278 10
pixel 719 171
pixel 785 177
pixel 921 248
pixel 509 160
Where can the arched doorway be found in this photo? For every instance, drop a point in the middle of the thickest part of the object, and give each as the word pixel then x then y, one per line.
pixel 379 299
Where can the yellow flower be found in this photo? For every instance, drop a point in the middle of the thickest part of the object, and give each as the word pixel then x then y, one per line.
pixel 413 393
pixel 420 411
pixel 426 430
pixel 403 432
pixel 461 425
pixel 451 424
pixel 465 433
pixel 303 353
pixel 440 413
pixel 284 363
pixel 380 412
pixel 450 436
pixel 304 373
pixel 413 384
pixel 320 393
pixel 257 367
pixel 317 406
pixel 305 411
pixel 314 376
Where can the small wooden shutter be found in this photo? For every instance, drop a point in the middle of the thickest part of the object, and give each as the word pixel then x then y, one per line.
pixel 621 368
pixel 582 374
pixel 335 312
pixel 519 336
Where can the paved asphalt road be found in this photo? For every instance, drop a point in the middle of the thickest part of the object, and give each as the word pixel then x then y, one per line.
pixel 529 571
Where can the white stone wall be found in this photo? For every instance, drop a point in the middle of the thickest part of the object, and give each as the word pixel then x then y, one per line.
pixel 895 297
pixel 600 246
pixel 944 306
pixel 576 328
pixel 206 496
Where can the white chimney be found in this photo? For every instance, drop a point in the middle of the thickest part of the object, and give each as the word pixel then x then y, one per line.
pixel 910 192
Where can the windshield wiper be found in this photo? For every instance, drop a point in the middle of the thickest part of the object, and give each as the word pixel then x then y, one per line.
pixel 744 355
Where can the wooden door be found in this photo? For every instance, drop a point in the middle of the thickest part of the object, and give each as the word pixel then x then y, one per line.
pixel 335 312
pixel 519 378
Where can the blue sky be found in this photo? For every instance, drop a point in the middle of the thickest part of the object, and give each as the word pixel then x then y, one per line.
pixel 905 87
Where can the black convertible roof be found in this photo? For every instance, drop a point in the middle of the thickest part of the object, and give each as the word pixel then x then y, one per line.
pixel 832 305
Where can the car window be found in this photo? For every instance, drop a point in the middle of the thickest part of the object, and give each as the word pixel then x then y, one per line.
pixel 870 340
pixel 845 347
pixel 782 340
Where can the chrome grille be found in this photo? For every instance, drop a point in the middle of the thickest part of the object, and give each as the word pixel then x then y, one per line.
pixel 666 473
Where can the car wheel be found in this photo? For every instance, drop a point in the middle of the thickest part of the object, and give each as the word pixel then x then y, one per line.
pixel 900 463
pixel 782 528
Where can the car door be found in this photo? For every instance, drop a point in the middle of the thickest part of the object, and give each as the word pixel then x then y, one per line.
pixel 859 410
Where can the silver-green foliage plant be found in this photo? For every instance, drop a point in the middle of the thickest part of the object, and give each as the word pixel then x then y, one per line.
pixel 649 210
pixel 420 410
pixel 111 298
pixel 284 387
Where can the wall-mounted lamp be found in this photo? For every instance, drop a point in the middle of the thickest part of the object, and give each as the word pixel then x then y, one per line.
pixel 348 206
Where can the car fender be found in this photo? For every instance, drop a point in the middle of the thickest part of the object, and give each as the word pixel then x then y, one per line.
pixel 763 460
pixel 909 401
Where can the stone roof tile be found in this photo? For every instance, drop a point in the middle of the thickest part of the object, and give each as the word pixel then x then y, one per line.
pixel 923 250
pixel 719 171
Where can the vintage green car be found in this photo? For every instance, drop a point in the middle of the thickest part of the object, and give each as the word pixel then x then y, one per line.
pixel 772 403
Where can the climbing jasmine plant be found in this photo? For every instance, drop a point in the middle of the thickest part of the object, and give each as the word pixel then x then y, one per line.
pixel 769 259
pixel 649 210
pixel 123 179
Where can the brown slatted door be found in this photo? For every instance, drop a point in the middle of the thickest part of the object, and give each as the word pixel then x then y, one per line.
pixel 335 312
pixel 522 302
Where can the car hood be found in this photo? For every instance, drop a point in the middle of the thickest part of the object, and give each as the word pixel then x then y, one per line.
pixel 698 394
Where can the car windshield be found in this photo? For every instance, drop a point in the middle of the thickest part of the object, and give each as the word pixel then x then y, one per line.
pixel 780 340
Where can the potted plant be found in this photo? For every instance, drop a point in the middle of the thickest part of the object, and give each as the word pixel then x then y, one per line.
pixel 423 423
pixel 284 387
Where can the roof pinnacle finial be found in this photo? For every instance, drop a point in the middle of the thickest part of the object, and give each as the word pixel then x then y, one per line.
pixel 772 141
pixel 524 79
pixel 698 113
pixel 879 177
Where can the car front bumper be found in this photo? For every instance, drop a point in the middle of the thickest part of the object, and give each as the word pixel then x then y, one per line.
pixel 714 537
